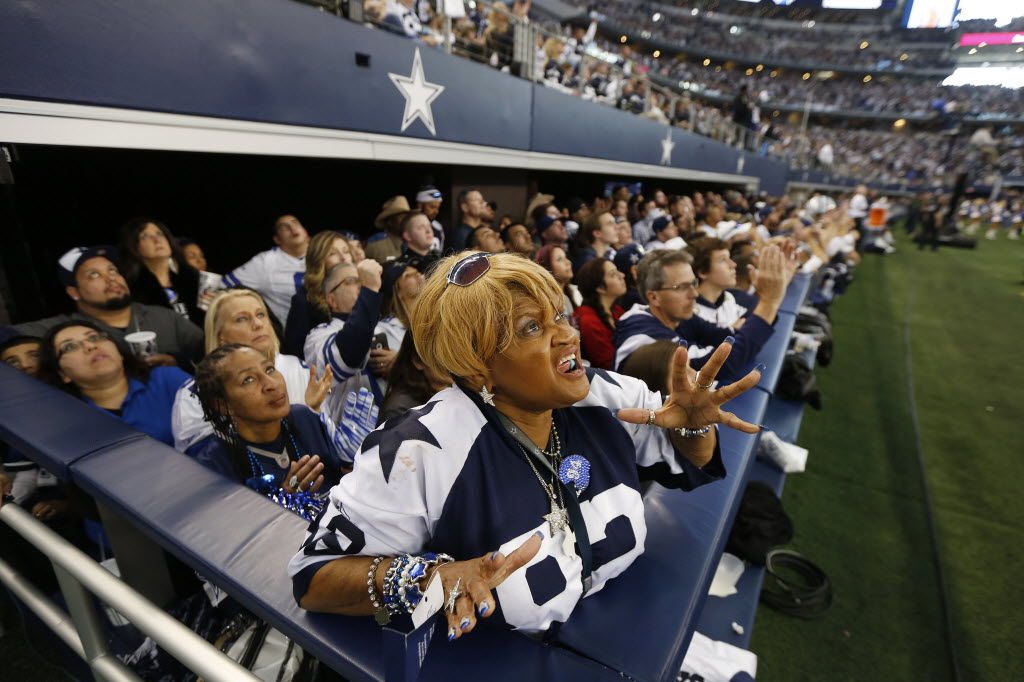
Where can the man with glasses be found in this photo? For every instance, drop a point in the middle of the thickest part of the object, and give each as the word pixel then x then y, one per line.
pixel 353 294
pixel 101 295
pixel 666 281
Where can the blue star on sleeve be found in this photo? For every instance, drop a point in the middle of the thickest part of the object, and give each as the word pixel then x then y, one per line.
pixel 395 432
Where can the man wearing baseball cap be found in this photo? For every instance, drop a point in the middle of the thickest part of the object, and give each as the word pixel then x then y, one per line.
pixel 101 295
pixel 429 200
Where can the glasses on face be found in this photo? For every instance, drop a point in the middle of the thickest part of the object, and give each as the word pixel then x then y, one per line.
pixel 682 286
pixel 348 281
pixel 73 346
pixel 469 269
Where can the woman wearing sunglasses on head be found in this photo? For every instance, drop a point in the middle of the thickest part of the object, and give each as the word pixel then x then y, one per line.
pixel 509 466
pixel 82 359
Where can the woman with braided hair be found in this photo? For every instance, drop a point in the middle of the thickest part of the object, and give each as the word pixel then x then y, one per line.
pixel 260 437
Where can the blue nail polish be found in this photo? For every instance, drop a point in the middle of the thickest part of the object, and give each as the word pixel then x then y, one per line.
pixel 730 339
pixel 763 427
pixel 761 368
pixel 464 623
pixel 683 343
pixel 539 534
pixel 451 634
pixel 494 555
pixel 483 609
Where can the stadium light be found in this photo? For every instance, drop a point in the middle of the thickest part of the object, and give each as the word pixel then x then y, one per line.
pixel 899 123
pixel 760 68
pixel 807 76
pixel 695 11
pixel 657 53
pixel 973 50
pixel 904 57
pixel 707 62
pixel 867 78
pixel 656 17
pixel 750 72
pixel 622 39
pixel 864 44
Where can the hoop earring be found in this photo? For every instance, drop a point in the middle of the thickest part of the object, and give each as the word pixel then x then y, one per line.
pixel 486 396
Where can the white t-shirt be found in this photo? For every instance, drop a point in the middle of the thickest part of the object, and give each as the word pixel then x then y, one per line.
pixel 187 422
pixel 275 274
pixel 858 206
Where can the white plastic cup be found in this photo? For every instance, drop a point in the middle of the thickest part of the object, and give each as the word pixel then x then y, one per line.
pixel 208 281
pixel 143 344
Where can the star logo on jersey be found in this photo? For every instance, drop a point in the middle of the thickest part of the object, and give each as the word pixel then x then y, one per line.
pixel 418 94
pixel 667 145
pixel 597 372
pixel 397 431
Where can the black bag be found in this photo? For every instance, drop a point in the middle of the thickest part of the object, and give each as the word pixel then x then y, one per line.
pixel 813 321
pixel 796 381
pixel 760 524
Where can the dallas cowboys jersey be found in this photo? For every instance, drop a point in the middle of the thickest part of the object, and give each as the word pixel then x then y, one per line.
pixel 321 351
pixel 638 328
pixel 187 422
pixel 724 312
pixel 447 477
pixel 275 274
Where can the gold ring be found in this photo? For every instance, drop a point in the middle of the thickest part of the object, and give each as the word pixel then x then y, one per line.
pixel 696 380
pixel 650 417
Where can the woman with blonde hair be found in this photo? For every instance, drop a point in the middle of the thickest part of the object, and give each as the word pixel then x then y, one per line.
pixel 509 466
pixel 240 316
pixel 309 308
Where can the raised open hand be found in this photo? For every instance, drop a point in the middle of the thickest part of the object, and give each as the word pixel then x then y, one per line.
pixel 317 389
pixel 691 406
pixel 476 579
pixel 769 278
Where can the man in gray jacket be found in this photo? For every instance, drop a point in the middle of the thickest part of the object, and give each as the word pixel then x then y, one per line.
pixel 102 296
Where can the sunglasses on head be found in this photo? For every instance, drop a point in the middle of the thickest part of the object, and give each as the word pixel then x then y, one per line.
pixel 469 269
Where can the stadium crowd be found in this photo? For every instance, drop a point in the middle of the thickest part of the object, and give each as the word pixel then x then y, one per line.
pixel 274 373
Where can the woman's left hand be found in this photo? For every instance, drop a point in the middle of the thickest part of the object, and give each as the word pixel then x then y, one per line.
pixel 692 407
pixel 317 389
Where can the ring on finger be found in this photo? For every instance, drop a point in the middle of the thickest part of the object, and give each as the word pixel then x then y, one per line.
pixel 650 417
pixel 293 482
pixel 703 387
pixel 453 596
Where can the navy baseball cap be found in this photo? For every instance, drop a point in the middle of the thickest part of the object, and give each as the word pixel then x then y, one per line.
pixel 68 264
pixel 661 223
pixel 545 222
pixel 628 256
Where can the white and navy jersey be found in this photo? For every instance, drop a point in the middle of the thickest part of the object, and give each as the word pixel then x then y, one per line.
pixel 187 422
pixel 398 15
pixel 447 477
pixel 638 328
pixel 275 274
pixel 321 351
pixel 724 312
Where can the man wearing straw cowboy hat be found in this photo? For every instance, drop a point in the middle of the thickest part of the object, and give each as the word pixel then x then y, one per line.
pixel 387 245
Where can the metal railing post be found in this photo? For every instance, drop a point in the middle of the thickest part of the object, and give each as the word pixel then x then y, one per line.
pixel 355 10
pixel 448 42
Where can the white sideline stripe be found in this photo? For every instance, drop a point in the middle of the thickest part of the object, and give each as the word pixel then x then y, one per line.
pixel 76 125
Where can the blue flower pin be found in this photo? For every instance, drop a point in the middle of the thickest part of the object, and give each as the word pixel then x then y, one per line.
pixel 575 469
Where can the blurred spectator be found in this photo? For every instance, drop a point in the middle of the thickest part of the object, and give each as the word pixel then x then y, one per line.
pixel 308 307
pixel 277 273
pixel 429 200
pixel 598 235
pixel 417 236
pixel 84 360
pixel 626 260
pixel 517 240
pixel 102 297
pixel 410 384
pixel 193 253
pixel 551 231
pixel 717 274
pixel 22 353
pixel 600 285
pixel 387 244
pixel 472 209
pixel 156 270
pixel 552 257
pixel 486 239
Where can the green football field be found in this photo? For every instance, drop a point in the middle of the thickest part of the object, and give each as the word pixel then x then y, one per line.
pixel 953 320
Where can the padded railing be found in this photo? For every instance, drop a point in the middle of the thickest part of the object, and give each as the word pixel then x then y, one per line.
pixel 639 625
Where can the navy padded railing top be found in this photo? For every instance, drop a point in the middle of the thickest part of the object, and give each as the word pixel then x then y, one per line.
pixel 35 422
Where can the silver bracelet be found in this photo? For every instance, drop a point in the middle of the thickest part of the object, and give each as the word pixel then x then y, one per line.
pixel 693 433
pixel 379 611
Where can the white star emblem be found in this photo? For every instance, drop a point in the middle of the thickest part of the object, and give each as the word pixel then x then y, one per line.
pixel 666 148
pixel 418 94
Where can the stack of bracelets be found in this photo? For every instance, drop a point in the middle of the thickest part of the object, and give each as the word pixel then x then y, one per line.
pixel 306 504
pixel 401 591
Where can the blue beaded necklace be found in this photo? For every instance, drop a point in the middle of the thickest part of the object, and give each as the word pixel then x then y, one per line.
pixel 254 461
pixel 306 505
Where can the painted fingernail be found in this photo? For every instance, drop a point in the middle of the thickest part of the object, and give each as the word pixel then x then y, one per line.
pixel 483 609
pixel 464 623
pixel 761 368
pixel 494 555
pixel 683 343
pixel 730 339
pixel 763 427
pixel 451 634
pixel 539 534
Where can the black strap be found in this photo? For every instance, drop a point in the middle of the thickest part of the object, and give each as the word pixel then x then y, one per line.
pixel 804 591
pixel 579 525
